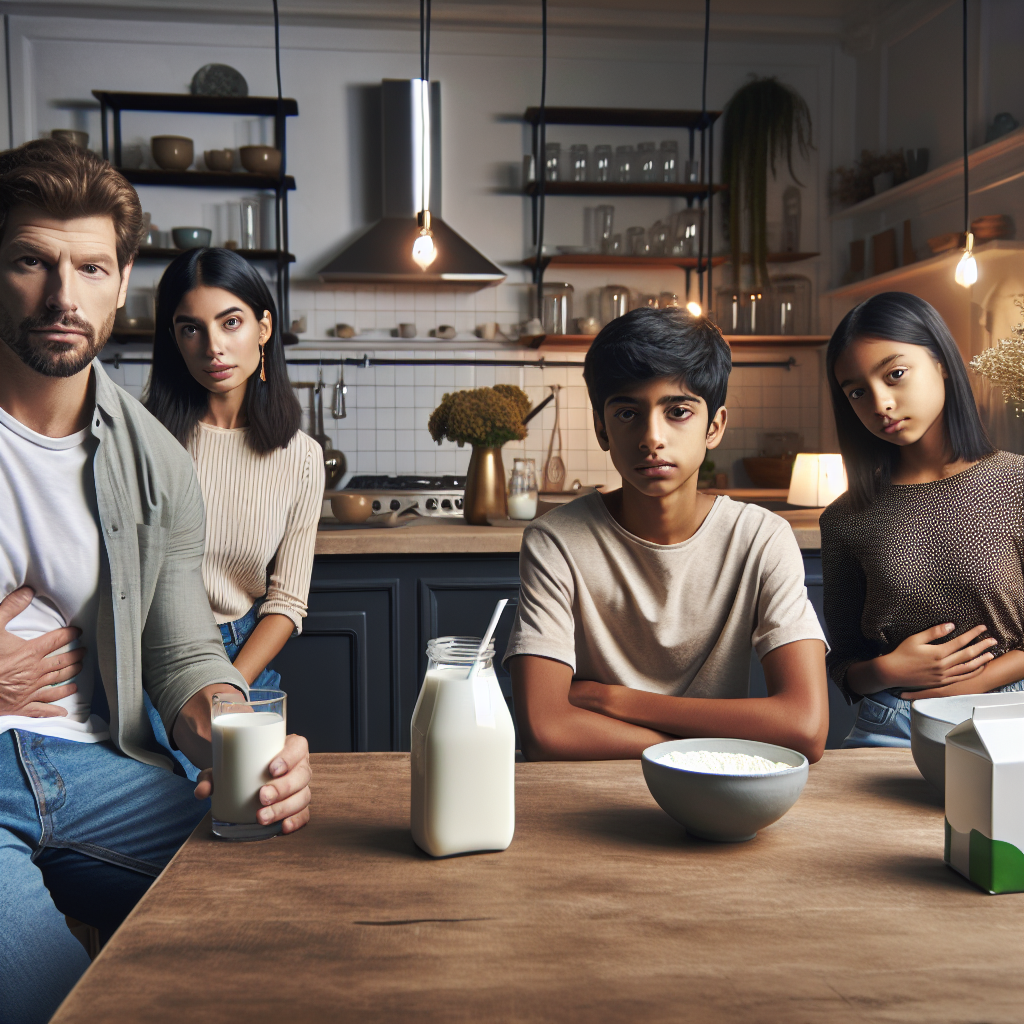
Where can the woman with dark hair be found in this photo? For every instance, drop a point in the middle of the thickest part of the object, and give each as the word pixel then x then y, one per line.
pixel 220 385
pixel 921 558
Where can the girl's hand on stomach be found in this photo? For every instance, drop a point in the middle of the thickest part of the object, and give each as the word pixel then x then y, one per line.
pixel 918 664
pixel 996 674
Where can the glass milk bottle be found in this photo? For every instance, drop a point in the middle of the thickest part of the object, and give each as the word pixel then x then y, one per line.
pixel 522 490
pixel 463 754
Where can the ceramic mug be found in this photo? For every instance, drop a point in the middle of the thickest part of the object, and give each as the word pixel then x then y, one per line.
pixel 407 330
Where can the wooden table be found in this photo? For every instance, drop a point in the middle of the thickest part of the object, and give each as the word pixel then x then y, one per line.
pixel 601 910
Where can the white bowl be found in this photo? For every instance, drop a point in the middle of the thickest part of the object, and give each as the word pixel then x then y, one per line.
pixel 725 808
pixel 933 717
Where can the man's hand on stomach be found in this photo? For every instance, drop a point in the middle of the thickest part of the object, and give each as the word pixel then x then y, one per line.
pixel 32 677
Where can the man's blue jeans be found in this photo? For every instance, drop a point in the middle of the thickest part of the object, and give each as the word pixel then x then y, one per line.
pixel 84 830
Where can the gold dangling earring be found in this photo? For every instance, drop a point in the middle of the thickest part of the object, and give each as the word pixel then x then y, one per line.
pixel 263 372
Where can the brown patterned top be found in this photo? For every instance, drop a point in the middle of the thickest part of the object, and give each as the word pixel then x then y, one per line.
pixel 923 554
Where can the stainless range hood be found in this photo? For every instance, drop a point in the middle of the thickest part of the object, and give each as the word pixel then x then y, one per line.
pixel 383 253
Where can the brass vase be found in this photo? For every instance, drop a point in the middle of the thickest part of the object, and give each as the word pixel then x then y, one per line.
pixel 485 487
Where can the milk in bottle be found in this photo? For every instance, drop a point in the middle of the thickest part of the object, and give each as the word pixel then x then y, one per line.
pixel 463 754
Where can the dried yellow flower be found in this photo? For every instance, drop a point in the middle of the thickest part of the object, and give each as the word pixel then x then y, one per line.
pixel 1004 363
pixel 489 417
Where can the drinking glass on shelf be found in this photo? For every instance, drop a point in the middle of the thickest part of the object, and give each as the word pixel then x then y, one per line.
pixel 579 161
pixel 691 172
pixel 686 230
pixel 658 239
pixel 250 223
pixel 556 308
pixel 668 166
pixel 553 161
pixel 522 489
pixel 617 248
pixel 636 241
pixel 759 311
pixel 602 163
pixel 647 158
pixel 614 300
pixel 729 311
pixel 604 217
pixel 625 163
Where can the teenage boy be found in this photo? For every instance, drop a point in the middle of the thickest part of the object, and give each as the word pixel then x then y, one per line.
pixel 638 608
pixel 101 543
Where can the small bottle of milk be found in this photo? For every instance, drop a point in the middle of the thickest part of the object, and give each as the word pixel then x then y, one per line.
pixel 522 490
pixel 463 754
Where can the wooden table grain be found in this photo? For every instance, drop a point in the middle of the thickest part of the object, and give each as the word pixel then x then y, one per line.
pixel 602 910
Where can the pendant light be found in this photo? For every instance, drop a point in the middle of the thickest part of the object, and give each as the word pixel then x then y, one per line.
pixel 696 308
pixel 541 160
pixel 424 252
pixel 967 269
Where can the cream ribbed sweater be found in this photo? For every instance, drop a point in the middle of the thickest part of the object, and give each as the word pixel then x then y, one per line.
pixel 261 518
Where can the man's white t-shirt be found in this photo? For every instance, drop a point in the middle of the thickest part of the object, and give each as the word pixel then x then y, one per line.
pixel 50 541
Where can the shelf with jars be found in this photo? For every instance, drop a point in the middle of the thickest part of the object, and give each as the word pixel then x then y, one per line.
pixel 581 342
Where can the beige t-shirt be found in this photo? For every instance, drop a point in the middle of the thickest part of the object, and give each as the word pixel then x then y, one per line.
pixel 678 619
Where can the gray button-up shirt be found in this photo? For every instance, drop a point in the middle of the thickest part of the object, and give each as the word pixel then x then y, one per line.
pixel 154 630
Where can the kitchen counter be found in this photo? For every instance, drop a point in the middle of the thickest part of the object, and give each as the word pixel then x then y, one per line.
pixel 455 536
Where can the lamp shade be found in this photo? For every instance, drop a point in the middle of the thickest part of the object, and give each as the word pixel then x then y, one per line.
pixel 817 480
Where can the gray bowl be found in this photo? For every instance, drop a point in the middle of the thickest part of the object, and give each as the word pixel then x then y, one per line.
pixel 191 238
pixel 725 808
pixel 933 717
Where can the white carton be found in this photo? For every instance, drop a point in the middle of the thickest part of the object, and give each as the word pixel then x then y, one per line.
pixel 985 798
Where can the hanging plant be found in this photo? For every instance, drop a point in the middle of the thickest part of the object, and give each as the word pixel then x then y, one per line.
pixel 762 121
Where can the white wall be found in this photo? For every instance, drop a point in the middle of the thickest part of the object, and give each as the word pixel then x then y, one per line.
pixel 487 78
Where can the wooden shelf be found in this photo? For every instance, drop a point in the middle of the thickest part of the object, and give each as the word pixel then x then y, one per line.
pixel 621 117
pixel 621 188
pixel 185 103
pixel 150 253
pixel 207 179
pixel 584 341
pixel 602 260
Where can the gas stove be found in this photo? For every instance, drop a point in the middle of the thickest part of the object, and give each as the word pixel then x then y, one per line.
pixel 428 495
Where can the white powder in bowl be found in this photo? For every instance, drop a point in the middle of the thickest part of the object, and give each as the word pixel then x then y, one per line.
pixel 721 764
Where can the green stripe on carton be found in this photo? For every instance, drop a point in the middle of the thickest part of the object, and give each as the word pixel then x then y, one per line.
pixel 996 866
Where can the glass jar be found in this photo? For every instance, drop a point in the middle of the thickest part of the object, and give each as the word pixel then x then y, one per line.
pixel 668 161
pixel 556 308
pixel 658 241
pixel 602 163
pixel 729 310
pixel 553 161
pixel 791 304
pixel 522 490
pixel 579 162
pixel 647 159
pixel 604 220
pixel 686 231
pixel 625 163
pixel 613 302
pixel 636 241
pixel 758 311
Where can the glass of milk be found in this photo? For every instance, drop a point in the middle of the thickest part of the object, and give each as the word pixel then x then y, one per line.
pixel 247 736
pixel 463 754
pixel 522 490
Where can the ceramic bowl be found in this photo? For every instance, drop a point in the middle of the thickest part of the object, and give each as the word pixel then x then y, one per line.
pixel 191 238
pixel 725 808
pixel 172 152
pixel 219 159
pixel 349 507
pixel 260 159
pixel 933 717
pixel 77 138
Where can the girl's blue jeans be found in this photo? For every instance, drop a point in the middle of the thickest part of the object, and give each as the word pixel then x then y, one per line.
pixel 234 635
pixel 883 719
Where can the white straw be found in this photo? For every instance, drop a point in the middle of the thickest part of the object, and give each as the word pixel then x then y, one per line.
pixel 498 609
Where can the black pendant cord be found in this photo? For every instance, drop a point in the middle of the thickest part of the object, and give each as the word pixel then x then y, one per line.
pixel 541 163
pixel 703 170
pixel 967 194
pixel 423 36
pixel 284 298
pixel 426 49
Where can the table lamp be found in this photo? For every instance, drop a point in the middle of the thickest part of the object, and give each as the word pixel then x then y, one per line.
pixel 817 480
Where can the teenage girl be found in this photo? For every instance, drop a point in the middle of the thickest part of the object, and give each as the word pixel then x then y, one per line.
pixel 922 557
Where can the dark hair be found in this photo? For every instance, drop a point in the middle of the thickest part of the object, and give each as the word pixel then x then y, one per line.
pixel 653 344
pixel 64 180
pixel 902 317
pixel 176 398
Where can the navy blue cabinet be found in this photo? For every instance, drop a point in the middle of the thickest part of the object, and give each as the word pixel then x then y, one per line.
pixel 353 675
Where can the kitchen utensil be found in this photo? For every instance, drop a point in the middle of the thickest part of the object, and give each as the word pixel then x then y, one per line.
pixel 579 162
pixel 218 80
pixel 335 463
pixel 172 152
pixel 625 163
pixel 338 410
pixel 613 302
pixel 554 468
pixel 601 163
pixel 191 238
pixel 351 508
pixel 556 310
pixel 668 162
pixel 249 211
pixel 219 159
pixel 724 808
pixel 537 408
pixel 553 161
pixel 647 161
pixel 604 219
pixel 260 159
pixel 76 138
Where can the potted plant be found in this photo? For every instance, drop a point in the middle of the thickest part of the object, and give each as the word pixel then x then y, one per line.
pixel 762 121
pixel 486 418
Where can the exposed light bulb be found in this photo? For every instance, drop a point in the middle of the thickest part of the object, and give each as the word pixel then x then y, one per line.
pixel 967 269
pixel 693 308
pixel 423 250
